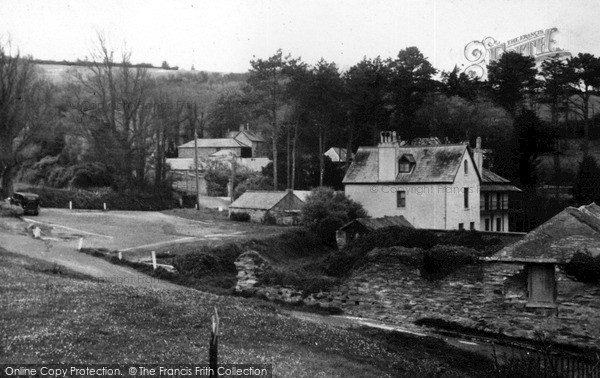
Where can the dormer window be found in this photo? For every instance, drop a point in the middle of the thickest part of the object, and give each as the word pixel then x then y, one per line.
pixel 406 163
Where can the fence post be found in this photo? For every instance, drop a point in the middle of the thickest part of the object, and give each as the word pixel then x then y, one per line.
pixel 104 206
pixel 120 255
pixel 80 244
pixel 154 260
pixel 70 205
pixel 213 348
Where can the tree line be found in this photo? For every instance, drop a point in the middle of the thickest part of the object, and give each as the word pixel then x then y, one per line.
pixel 50 133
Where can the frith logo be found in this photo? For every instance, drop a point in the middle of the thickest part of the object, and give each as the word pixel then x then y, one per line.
pixel 538 44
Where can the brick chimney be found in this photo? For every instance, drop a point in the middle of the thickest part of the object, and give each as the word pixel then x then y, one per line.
pixel 478 155
pixel 388 161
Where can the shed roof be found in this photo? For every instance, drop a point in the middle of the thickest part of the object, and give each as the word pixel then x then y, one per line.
pixel 259 200
pixel 572 230
pixel 492 182
pixel 377 223
pixel 433 164
pixel 215 143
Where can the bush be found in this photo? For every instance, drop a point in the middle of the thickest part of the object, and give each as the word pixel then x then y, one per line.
pixel 327 227
pixel 240 217
pixel 353 256
pixel 254 182
pixel 463 238
pixel 583 267
pixel 324 202
pixel 299 279
pixel 445 259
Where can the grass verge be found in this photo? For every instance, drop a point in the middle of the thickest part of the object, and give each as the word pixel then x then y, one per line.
pixel 48 317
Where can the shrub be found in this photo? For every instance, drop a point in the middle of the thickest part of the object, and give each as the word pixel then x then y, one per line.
pixel 240 217
pixel 583 267
pixel 299 279
pixel 353 256
pixel 254 182
pixel 463 238
pixel 444 259
pixel 324 202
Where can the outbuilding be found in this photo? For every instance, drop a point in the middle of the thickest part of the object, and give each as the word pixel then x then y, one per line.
pixel 362 226
pixel 550 245
pixel 280 207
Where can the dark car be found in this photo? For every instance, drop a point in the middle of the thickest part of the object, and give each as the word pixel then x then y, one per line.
pixel 28 201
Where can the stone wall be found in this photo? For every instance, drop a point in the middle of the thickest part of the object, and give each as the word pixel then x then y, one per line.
pixel 486 297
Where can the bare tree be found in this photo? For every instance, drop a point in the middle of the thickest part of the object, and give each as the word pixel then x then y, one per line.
pixel 121 112
pixel 18 85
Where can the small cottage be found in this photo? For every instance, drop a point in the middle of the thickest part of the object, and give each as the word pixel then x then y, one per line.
pixel 281 206
pixel 550 245
pixel 362 226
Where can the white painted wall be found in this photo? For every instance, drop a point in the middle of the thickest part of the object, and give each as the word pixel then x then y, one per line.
pixel 436 206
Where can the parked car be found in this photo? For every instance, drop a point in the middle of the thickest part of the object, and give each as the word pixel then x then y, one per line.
pixel 28 201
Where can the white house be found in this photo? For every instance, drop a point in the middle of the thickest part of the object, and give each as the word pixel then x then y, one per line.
pixel 433 186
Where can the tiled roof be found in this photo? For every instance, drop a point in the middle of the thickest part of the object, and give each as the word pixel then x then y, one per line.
pixel 434 164
pixel 215 143
pixel 572 230
pixel 259 200
pixel 377 223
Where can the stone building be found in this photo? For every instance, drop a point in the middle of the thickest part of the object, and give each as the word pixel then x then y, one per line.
pixel 283 206
pixel 543 250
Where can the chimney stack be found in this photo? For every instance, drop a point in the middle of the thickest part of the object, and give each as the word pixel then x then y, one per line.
pixel 478 155
pixel 388 163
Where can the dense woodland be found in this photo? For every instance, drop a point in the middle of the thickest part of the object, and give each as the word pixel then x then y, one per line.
pixel 111 123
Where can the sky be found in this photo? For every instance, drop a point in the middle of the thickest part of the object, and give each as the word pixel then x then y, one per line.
pixel 225 35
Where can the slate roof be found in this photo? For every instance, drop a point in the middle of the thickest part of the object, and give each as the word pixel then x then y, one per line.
pixel 558 239
pixel 215 143
pixel 377 223
pixel 434 164
pixel 258 200
pixel 491 182
pixel 254 137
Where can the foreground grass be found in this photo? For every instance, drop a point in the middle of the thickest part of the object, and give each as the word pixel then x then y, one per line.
pixel 50 315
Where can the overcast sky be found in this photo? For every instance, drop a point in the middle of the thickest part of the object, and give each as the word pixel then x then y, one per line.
pixel 224 35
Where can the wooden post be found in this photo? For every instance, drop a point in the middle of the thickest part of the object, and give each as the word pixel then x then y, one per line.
pixel 154 260
pixel 70 205
pixel 120 255
pixel 80 244
pixel 104 206
pixel 213 349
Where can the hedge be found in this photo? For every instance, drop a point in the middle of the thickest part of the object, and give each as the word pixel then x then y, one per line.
pixel 95 200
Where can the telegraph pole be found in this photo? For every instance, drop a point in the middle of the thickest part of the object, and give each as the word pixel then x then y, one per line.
pixel 196 167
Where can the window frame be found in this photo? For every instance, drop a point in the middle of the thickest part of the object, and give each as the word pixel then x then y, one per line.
pixel 401 199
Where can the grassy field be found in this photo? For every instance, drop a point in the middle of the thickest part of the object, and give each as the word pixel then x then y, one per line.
pixel 50 315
